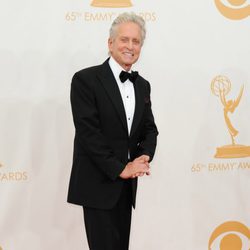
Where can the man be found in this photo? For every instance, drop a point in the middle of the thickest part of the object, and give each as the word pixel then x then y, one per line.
pixel 115 137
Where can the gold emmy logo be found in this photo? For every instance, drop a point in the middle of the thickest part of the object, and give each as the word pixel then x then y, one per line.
pixel 230 232
pixel 235 12
pixel 111 3
pixel 220 87
pixel 1 248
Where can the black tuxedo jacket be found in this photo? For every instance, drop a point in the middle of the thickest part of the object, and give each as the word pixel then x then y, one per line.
pixel 101 136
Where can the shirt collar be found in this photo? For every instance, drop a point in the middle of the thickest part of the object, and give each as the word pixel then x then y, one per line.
pixel 116 67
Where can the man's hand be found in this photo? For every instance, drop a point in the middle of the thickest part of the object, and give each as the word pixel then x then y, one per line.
pixel 138 167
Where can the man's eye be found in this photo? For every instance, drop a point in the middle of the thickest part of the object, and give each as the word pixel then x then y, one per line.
pixel 124 39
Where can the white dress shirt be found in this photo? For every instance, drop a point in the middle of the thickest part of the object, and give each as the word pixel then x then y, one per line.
pixel 127 92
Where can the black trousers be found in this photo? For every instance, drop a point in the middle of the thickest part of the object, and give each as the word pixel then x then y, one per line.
pixel 110 229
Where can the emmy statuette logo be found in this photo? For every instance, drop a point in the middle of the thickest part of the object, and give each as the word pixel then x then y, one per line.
pixel 231 235
pixel 1 248
pixel 238 11
pixel 220 87
pixel 111 3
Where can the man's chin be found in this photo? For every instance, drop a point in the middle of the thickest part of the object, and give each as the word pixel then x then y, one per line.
pixel 129 62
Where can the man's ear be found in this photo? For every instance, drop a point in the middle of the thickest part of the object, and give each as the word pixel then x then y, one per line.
pixel 110 43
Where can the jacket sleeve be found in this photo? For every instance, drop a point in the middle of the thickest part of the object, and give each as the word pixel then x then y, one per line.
pixel 148 141
pixel 89 138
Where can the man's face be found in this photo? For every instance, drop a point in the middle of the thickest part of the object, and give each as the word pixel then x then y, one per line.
pixel 125 47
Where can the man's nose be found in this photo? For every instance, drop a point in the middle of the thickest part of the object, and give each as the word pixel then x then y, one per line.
pixel 130 44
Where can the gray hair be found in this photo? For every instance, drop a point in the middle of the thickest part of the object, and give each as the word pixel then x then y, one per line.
pixel 128 17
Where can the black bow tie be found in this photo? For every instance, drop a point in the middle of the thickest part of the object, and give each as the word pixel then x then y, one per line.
pixel 124 75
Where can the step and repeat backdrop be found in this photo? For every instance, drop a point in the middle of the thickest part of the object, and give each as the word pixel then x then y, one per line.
pixel 197 58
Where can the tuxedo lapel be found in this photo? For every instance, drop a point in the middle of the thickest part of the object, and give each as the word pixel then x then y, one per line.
pixel 108 80
pixel 139 105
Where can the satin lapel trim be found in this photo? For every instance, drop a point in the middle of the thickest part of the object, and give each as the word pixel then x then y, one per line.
pixel 112 89
pixel 139 106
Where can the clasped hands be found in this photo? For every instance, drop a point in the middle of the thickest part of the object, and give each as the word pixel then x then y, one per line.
pixel 138 167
